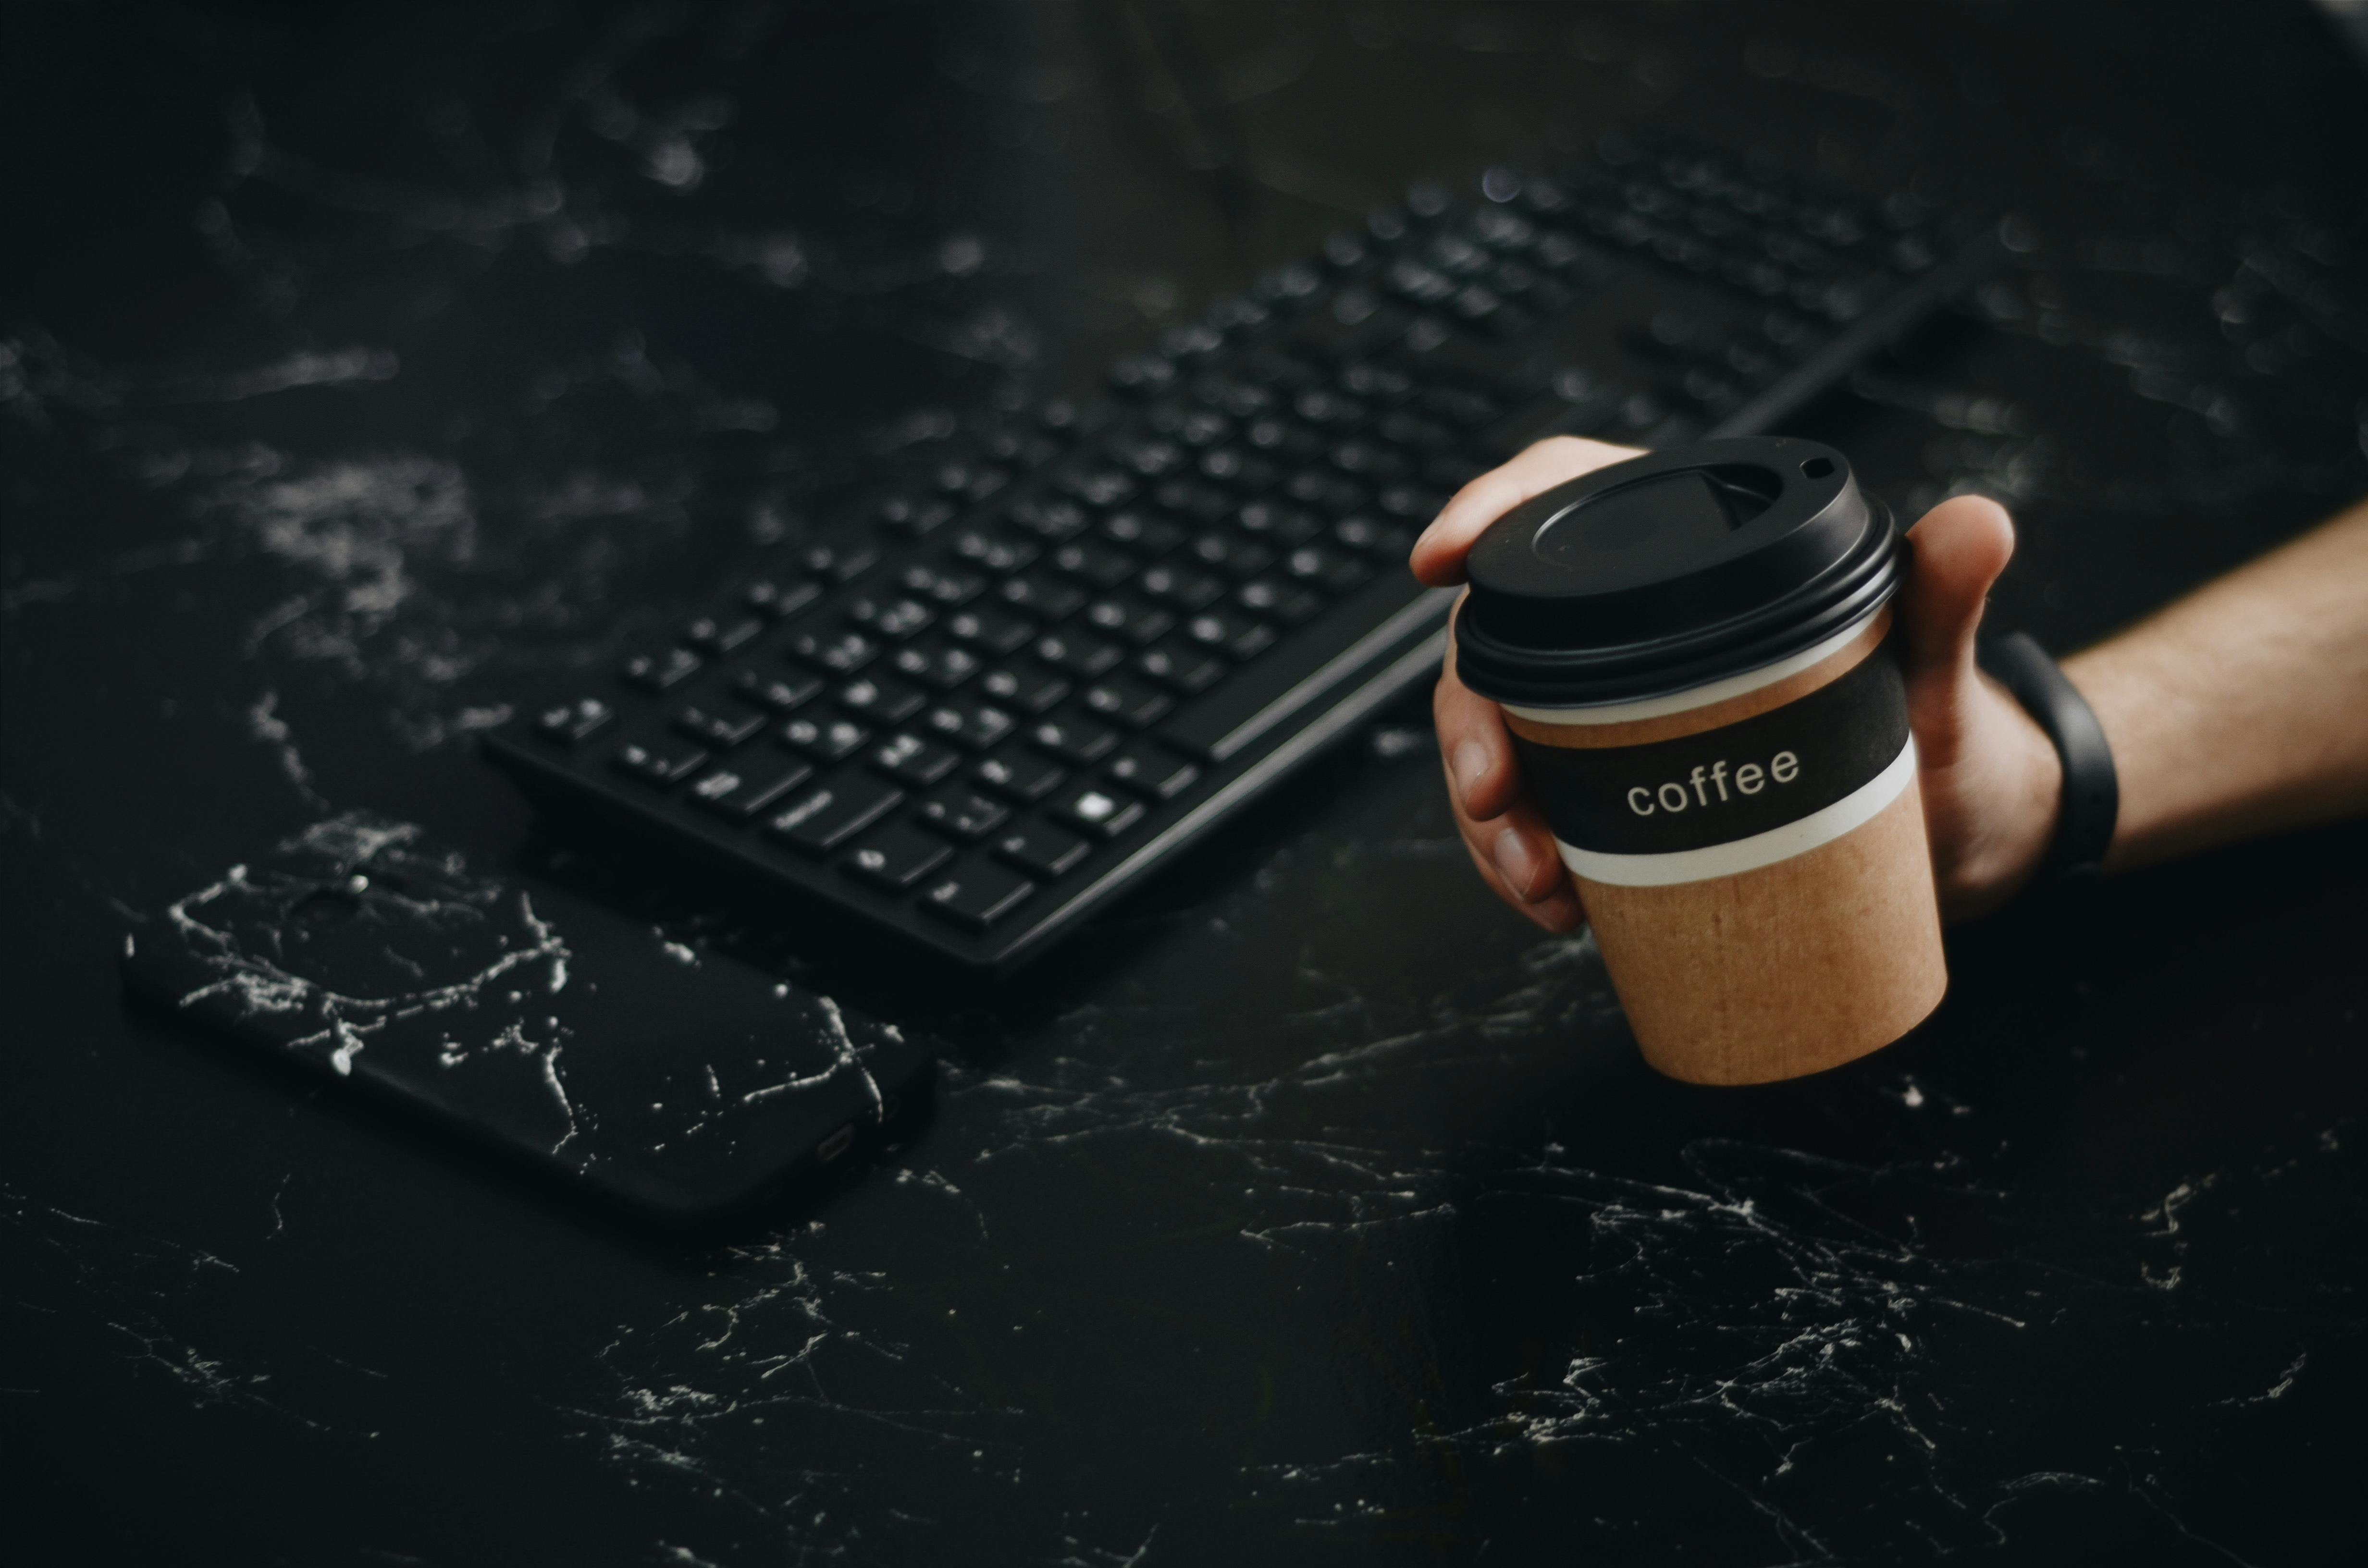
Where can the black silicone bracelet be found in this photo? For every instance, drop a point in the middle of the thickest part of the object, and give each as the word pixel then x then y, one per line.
pixel 2092 791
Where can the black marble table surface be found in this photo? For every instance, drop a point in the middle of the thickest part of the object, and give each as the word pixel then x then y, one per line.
pixel 356 363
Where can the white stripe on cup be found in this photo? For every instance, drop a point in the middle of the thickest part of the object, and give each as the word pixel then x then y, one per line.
pixel 1821 826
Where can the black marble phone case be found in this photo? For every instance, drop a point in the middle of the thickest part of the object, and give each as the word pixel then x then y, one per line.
pixel 683 1084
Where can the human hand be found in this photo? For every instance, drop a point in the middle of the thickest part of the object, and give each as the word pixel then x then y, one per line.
pixel 1990 777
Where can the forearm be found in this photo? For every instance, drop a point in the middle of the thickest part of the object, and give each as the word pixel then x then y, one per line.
pixel 2243 708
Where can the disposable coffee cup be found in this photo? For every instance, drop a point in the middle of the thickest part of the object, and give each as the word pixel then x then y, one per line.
pixel 1693 653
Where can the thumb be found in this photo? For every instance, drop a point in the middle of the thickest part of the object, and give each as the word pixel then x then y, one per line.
pixel 1961 547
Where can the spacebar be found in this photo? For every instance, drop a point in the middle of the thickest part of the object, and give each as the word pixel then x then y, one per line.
pixel 1306 665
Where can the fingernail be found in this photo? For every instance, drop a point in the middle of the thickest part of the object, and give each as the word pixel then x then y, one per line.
pixel 1471 766
pixel 1512 858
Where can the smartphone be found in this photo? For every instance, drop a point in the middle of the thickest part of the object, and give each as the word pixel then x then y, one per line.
pixel 683 1084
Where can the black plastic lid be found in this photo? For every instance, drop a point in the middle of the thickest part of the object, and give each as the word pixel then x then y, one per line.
pixel 1671 569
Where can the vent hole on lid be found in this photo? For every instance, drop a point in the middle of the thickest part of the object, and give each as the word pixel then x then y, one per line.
pixel 1818 468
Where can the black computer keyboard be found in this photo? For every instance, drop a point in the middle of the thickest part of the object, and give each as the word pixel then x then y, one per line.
pixel 1022 680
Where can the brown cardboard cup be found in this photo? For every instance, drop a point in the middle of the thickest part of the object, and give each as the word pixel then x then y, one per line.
pixel 1787 966
pixel 1694 652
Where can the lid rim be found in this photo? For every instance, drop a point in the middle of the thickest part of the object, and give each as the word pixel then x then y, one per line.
pixel 1857 581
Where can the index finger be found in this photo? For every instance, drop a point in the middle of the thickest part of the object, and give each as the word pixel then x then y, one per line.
pixel 1438 555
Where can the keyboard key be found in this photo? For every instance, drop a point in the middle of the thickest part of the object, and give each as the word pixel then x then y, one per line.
pixel 1188 499
pixel 1286 604
pixel 1082 657
pixel 1181 668
pixel 1018 450
pixel 1377 385
pixel 720 732
pixel 1146 375
pixel 970 482
pixel 837 562
pixel 1029 690
pixel 1195 427
pixel 1284 527
pixel 976 894
pixel 1144 534
pixel 1240 469
pixel 1123 702
pixel 1099 488
pixel 891 619
pixel 839 654
pixel 661 672
pixel 715 635
pixel 658 762
pixel 940 667
pixel 821 819
pixel 895 858
pixel 572 723
pixel 1238 637
pixel 908 759
pixel 996 554
pixel 779 600
pixel 1042 852
pixel 1371 536
pixel 1326 493
pixel 1151 459
pixel 1046 598
pixel 991 634
pixel 1050 518
pixel 1333 572
pixel 916 517
pixel 1234 556
pixel 881 701
pixel 1101 567
pixel 973 726
pixel 1065 420
pixel 1283 440
pixel 1098 811
pixel 1329 409
pixel 944 589
pixel 1073 741
pixel 1242 400
pixel 1185 589
pixel 781 693
pixel 963 814
pixel 1152 772
pixel 824 739
pixel 1135 623
pixel 1368 461
pixel 738 793
pixel 1019 776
